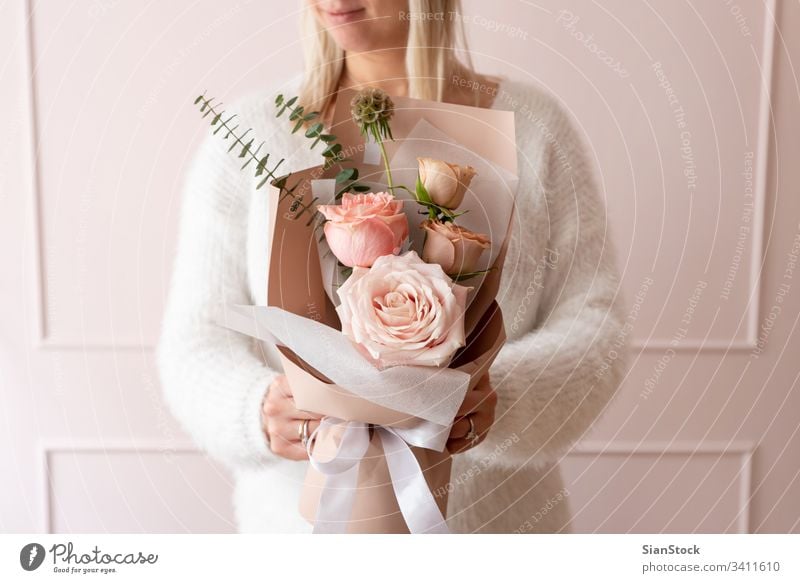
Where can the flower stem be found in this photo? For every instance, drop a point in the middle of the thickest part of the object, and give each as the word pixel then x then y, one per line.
pixel 379 141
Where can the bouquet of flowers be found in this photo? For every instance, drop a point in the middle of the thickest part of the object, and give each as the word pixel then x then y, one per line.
pixel 384 317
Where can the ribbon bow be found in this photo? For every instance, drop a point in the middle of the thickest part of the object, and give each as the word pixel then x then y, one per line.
pixel 417 505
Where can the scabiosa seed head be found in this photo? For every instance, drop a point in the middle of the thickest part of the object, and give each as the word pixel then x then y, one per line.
pixel 372 107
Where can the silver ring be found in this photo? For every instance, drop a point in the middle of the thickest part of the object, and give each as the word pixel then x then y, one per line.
pixel 471 435
pixel 304 432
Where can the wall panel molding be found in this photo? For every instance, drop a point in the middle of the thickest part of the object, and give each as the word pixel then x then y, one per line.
pixel 740 449
pixel 47 448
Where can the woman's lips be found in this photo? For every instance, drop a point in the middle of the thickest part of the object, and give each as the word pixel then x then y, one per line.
pixel 345 16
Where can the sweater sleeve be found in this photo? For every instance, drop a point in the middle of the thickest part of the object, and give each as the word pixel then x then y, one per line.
pixel 213 379
pixel 556 379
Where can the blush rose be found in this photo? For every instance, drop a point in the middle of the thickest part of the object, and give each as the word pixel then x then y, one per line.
pixel 455 248
pixel 403 311
pixel 446 183
pixel 365 227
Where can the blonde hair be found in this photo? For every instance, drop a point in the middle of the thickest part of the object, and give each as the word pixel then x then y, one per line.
pixel 430 54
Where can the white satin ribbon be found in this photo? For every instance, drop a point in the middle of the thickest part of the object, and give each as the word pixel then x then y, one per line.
pixel 417 505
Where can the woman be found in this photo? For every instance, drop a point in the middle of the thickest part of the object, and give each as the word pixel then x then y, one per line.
pixel 559 292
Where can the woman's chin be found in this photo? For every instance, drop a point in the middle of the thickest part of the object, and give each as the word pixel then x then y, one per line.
pixel 354 38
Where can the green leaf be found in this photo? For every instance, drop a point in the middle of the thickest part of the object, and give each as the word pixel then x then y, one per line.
pixel 246 148
pixel 224 125
pixel 314 131
pixel 262 164
pixel 422 194
pixel 252 156
pixel 233 144
pixel 282 180
pixel 283 105
pixel 347 174
pixel 297 126
pixel 262 183
pixel 199 98
pixel 332 150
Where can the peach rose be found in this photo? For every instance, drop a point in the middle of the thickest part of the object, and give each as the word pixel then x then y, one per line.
pixel 446 183
pixel 365 227
pixel 453 247
pixel 403 311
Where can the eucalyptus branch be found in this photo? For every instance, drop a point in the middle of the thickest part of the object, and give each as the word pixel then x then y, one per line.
pixel 347 177
pixel 261 164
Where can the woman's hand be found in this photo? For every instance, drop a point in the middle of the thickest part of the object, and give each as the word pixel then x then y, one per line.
pixel 479 404
pixel 282 421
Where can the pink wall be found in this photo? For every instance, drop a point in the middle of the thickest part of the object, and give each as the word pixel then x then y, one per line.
pixel 688 108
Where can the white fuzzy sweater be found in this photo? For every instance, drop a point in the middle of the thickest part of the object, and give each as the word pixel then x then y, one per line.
pixel 559 293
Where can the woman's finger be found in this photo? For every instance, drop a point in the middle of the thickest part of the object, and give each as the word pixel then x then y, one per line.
pixel 290 429
pixel 457 445
pixel 281 385
pixel 473 400
pixel 312 426
pixel 294 413
pixel 457 441
pixel 292 450
pixel 460 428
pixel 461 444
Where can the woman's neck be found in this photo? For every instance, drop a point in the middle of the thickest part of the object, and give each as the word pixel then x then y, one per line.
pixel 385 69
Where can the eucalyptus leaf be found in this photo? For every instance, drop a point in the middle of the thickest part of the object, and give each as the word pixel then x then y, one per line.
pixel 314 130
pixel 332 150
pixel 347 174
pixel 262 164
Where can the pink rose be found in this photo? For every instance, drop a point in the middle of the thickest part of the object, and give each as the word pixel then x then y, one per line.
pixel 455 248
pixel 403 311
pixel 446 183
pixel 365 227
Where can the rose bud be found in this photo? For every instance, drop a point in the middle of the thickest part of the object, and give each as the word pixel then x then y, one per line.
pixel 446 183
pixel 455 248
pixel 365 227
